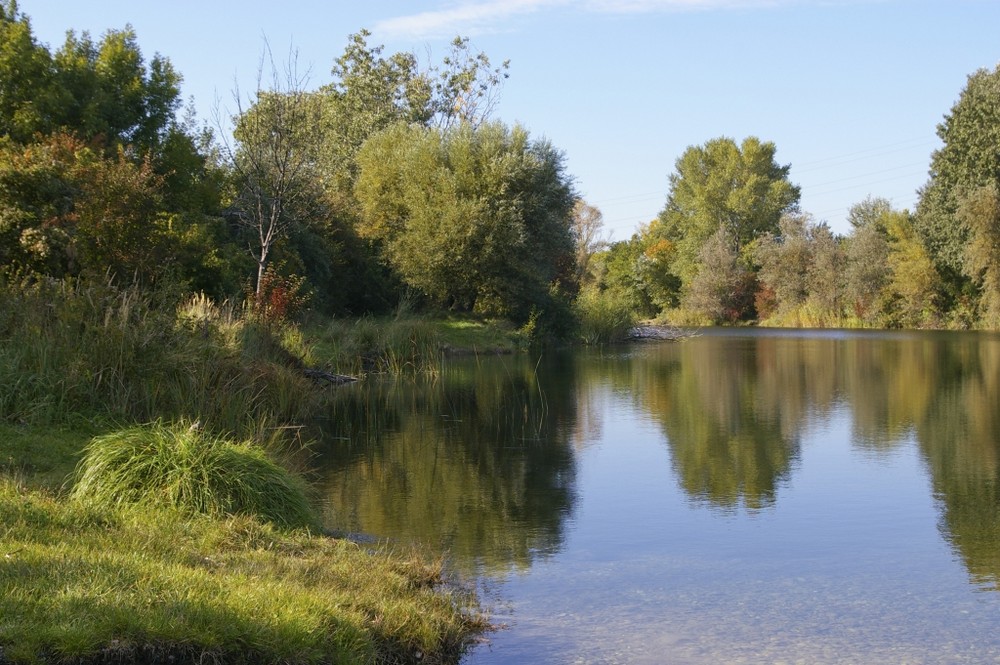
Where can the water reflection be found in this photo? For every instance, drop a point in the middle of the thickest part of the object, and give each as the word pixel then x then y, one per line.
pixel 733 407
pixel 475 461
pixel 482 460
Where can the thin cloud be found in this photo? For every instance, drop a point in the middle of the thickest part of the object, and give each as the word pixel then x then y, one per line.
pixel 466 18
pixel 472 18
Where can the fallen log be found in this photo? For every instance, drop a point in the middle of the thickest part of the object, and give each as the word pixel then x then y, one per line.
pixel 659 332
pixel 319 375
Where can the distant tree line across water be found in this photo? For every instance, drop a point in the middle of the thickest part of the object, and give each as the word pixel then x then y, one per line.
pixel 394 183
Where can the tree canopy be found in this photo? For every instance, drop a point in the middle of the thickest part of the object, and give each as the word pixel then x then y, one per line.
pixel 968 160
pixel 476 218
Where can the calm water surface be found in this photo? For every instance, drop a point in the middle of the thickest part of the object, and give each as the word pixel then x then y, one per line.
pixel 740 497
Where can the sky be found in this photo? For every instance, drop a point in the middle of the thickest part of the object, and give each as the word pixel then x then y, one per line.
pixel 849 91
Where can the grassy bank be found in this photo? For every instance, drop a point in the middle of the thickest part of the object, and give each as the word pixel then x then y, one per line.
pixel 99 568
pixel 82 585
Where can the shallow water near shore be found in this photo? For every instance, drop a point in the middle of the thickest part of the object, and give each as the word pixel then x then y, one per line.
pixel 738 497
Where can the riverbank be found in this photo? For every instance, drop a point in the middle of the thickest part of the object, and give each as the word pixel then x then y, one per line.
pixel 86 585
pixel 83 583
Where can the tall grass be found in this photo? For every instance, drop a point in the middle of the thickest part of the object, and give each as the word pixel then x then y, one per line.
pixel 393 346
pixel 604 318
pixel 70 348
pixel 179 467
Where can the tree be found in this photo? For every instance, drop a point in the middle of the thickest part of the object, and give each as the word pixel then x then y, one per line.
pixel 371 92
pixel 825 273
pixel 866 271
pixel 271 160
pixel 109 92
pixel 587 224
pixel 721 290
pixel 915 283
pixel 26 77
pixel 785 261
pixel 979 211
pixel 870 212
pixel 475 218
pixel 98 90
pixel 722 184
pixel 968 160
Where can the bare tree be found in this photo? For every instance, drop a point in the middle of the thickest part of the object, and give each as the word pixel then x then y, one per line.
pixel 271 156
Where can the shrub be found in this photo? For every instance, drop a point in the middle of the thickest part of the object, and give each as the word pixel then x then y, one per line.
pixel 180 467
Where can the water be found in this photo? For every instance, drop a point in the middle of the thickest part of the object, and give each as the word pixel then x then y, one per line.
pixel 740 497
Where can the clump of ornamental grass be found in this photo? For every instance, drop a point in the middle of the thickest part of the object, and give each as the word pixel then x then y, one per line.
pixel 181 467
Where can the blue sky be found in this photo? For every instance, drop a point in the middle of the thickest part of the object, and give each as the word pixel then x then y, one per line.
pixel 850 91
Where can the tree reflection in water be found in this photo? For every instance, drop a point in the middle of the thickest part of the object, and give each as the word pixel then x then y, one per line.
pixel 480 459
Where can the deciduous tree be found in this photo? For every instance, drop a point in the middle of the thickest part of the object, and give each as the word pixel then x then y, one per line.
pixel 980 212
pixel 968 160
pixel 475 218
pixel 724 185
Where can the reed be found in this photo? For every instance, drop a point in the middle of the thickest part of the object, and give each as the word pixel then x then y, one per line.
pixel 68 348
pixel 603 317
pixel 392 346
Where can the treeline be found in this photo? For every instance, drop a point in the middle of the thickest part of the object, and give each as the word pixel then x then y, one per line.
pixel 393 184
pixel 732 244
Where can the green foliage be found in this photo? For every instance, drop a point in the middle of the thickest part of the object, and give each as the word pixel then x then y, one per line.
pixel 638 270
pixel 785 261
pixel 722 185
pixel 914 288
pixel 980 212
pixel 100 90
pixel 109 91
pixel 181 468
pixel 475 218
pixel 27 94
pixel 605 317
pixel 371 92
pixel 723 289
pixel 968 160
pixel 867 272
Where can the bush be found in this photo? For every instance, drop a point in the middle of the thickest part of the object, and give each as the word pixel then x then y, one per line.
pixel 181 468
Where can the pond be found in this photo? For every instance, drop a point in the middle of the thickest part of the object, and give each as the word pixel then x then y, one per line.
pixel 743 496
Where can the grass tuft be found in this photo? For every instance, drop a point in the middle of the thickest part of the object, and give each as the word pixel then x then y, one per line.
pixel 179 467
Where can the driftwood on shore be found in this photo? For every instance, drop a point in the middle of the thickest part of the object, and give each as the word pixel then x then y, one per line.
pixel 659 332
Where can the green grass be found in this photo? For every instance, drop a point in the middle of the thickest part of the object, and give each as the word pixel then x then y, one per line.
pixel 79 584
pixel 604 317
pixel 42 457
pixel 182 468
pixel 401 345
pixel 177 544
